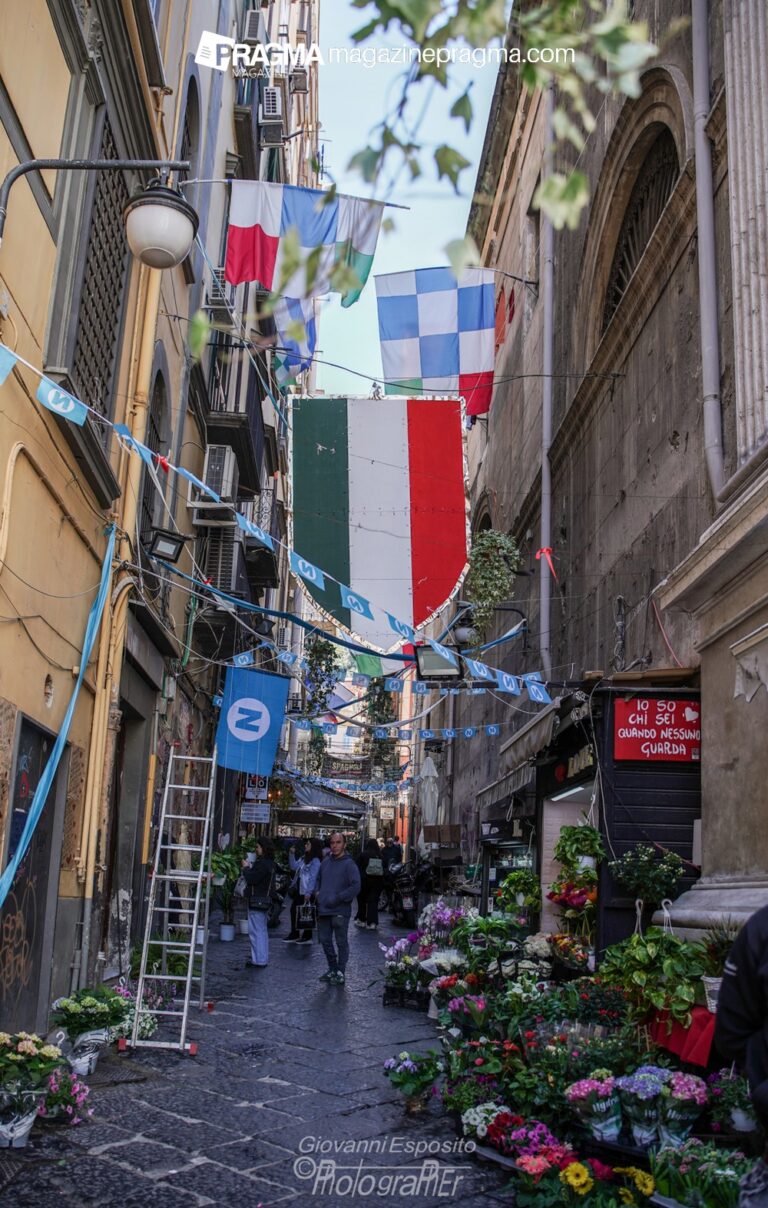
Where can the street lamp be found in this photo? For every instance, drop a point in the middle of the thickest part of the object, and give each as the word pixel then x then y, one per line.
pixel 160 224
pixel 165 544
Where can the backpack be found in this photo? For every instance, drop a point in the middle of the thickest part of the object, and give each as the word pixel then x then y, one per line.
pixel 375 868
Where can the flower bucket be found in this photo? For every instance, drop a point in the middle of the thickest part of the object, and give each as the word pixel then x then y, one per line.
pixel 711 991
pixel 603 1118
pixel 200 937
pixel 643 1117
pixel 676 1119
pixel 15 1129
pixel 85 1051
pixel 586 862
pixel 742 1121
pixel 242 926
pixel 226 932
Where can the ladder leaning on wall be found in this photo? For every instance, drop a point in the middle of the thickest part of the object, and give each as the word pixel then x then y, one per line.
pixel 180 892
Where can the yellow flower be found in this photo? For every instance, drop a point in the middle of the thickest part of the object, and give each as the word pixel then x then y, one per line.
pixel 644 1183
pixel 4 1038
pixel 626 1196
pixel 577 1177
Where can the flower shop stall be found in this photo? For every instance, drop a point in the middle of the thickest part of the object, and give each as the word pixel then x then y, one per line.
pixel 565 1073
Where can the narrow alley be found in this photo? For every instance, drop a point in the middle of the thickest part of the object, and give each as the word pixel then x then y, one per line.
pixel 289 1069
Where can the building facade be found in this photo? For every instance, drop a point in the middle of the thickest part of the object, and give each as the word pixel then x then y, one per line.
pixel 122 82
pixel 630 370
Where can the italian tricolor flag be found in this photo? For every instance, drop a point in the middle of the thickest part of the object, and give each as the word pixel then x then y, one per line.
pixel 379 503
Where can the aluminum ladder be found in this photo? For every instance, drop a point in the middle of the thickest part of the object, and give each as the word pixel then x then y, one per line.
pixel 180 892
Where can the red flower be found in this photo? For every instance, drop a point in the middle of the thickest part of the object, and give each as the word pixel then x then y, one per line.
pixel 479 1061
pixel 600 1170
pixel 530 1035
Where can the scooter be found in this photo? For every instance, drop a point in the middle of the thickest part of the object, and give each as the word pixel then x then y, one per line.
pixel 408 887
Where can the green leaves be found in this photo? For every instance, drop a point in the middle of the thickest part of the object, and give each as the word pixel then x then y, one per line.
pixel 462 108
pixel 450 163
pixel 197 334
pixel 462 254
pixel 562 199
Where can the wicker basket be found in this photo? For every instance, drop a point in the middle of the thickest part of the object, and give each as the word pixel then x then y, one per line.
pixel 711 990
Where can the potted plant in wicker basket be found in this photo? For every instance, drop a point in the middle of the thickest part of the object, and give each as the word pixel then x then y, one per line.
pixel 715 946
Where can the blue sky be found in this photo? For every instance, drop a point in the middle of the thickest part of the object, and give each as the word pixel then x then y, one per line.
pixel 353 98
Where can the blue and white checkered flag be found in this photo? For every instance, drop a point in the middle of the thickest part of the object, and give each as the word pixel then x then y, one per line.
pixel 296 329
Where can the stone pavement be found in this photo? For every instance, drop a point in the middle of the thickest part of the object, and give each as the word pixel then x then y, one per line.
pixel 288 1070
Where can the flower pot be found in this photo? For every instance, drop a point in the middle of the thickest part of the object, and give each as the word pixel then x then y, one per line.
pixel 676 1119
pixel 603 1118
pixel 200 937
pixel 15 1129
pixel 226 931
pixel 742 1121
pixel 218 880
pixel 586 862
pixel 415 1104
pixel 520 899
pixel 242 926
pixel 85 1051
pixel 432 1012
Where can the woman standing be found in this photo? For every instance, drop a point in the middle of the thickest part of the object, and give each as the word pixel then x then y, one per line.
pixel 258 878
pixel 304 885
pixel 371 881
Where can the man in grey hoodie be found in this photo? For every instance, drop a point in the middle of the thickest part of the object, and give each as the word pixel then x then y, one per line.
pixel 338 883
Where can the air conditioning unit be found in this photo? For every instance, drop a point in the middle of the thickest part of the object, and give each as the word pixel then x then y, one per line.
pixel 222 476
pixel 254 27
pixel 300 80
pixel 272 117
pixel 282 637
pixel 224 560
pixel 294 703
pixel 221 297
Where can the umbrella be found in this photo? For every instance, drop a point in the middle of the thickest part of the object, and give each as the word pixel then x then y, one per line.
pixel 428 795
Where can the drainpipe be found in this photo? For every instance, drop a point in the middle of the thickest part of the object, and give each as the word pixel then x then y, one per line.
pixel 705 216
pixel 548 325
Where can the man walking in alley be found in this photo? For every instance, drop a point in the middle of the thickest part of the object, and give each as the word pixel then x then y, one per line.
pixel 338 883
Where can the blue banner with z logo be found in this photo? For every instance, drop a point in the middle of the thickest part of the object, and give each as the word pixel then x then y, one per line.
pixel 252 714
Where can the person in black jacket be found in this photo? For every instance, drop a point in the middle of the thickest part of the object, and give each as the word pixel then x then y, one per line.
pixel 741 1031
pixel 258 878
pixel 371 869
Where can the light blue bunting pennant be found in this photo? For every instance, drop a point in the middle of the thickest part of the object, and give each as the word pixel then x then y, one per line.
pixel 306 570
pixel 405 735
pixel 7 361
pixel 401 629
pixel 244 659
pixel 477 691
pixel 303 724
pixel 508 683
pixel 253 530
pixel 61 403
pixel 359 680
pixel 469 732
pixel 217 701
pixel 287 657
pixel 381 732
pixel 329 728
pixel 426 733
pixel 538 693
pixel 355 603
pixel 444 651
pixel 492 731
pixel 124 435
pixel 201 486
pixel 420 688
pixel 449 734
pixel 393 685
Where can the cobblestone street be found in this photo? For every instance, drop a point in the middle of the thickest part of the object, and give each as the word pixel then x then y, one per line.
pixel 285 1063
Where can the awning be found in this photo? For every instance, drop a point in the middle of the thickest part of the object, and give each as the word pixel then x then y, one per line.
pixel 498 794
pixel 328 799
pixel 534 736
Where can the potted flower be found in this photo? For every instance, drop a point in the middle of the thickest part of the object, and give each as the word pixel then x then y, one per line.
pixel 695 1173
pixel 639 1094
pixel 683 1099
pixel 475 1121
pixel 26 1062
pixel 88 1015
pixel 579 846
pixel 730 1102
pixel 468 1012
pixel 520 888
pixel 595 1101
pixel 414 1075
pixel 642 873
pixel 65 1097
pixel 225 870
pixel 715 946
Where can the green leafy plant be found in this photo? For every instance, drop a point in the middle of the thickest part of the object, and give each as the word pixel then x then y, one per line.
pixel 26 1063
pixel 414 1074
pixel 492 562
pixel 697 1174
pixel 715 944
pixel 227 865
pixel 320 676
pixel 522 881
pixel 645 874
pixel 576 841
pixel 657 971
pixel 315 751
pixel 86 1010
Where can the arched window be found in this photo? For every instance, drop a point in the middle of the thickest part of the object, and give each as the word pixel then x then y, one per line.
pixel 652 190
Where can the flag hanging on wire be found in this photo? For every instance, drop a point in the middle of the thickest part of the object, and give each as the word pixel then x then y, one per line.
pixel 438 333
pixel 379 501
pixel 296 329
pixel 331 230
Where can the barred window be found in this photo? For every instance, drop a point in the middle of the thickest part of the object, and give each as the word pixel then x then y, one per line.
pixel 653 189
pixel 98 323
pixel 153 441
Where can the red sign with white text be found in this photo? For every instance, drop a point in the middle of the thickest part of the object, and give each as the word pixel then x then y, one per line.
pixel 652 729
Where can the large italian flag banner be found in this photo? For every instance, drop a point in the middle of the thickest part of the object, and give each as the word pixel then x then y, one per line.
pixel 380 504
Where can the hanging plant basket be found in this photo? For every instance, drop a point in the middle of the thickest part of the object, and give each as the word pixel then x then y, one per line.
pixel 492 563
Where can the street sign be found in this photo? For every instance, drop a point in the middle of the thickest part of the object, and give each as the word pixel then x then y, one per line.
pixel 256 788
pixel 387 813
pixel 649 728
pixel 254 811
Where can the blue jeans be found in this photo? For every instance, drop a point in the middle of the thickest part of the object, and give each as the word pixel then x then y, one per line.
pixel 754 1187
pixel 332 927
pixel 259 937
